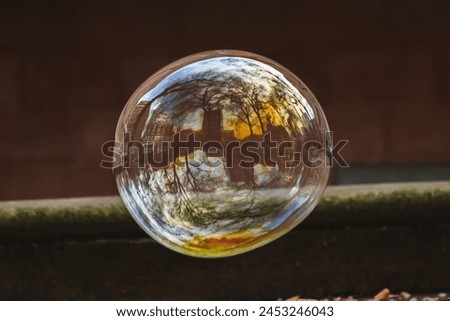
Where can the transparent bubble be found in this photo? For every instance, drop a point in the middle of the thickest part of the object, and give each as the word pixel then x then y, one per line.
pixel 221 153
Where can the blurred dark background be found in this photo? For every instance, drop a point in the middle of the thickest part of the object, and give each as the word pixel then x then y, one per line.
pixel 379 68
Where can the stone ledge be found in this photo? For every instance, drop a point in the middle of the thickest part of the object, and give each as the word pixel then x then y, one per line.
pixel 106 217
pixel 360 239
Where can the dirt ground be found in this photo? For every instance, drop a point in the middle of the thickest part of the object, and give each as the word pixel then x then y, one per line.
pixel 383 295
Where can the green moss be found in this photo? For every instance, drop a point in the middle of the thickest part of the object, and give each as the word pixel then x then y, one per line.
pixel 61 220
pixel 397 207
pixel 386 202
pixel 111 219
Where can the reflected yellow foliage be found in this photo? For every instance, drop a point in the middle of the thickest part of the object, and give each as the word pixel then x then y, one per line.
pixel 272 114
pixel 256 123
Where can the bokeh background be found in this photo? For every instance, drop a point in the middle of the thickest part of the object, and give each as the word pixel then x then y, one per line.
pixel 380 69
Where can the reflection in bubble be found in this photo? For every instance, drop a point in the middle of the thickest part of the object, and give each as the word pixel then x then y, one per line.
pixel 223 170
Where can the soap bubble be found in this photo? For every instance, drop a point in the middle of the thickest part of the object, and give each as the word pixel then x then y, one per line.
pixel 221 152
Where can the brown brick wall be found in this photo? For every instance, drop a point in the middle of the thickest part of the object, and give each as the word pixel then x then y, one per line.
pixel 380 69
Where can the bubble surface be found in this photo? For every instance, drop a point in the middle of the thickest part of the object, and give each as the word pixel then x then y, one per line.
pixel 221 152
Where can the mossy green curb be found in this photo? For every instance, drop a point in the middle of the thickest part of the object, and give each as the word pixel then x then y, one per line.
pixel 404 203
pixel 65 218
pixel 106 217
